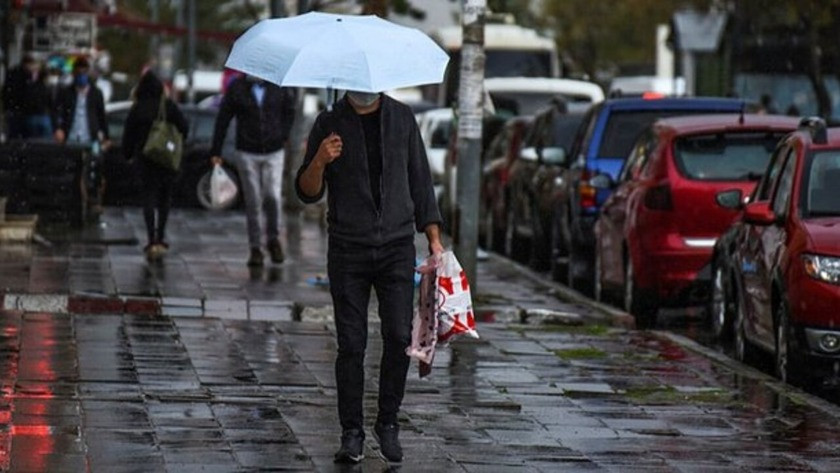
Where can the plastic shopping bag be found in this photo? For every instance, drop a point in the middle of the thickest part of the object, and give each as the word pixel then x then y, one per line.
pixel 424 327
pixel 223 189
pixel 455 310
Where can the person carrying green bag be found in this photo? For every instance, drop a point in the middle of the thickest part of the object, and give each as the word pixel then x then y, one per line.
pixel 158 175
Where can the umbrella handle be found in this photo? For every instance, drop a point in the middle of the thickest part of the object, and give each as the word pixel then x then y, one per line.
pixel 330 98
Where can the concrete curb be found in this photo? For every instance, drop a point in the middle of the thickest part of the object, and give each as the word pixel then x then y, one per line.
pixel 269 310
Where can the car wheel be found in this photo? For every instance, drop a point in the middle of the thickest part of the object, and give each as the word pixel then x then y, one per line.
pixel 745 352
pixel 559 251
pixel 786 367
pixel 515 248
pixel 202 193
pixel 597 285
pixel 579 272
pixel 720 304
pixel 540 244
pixel 637 302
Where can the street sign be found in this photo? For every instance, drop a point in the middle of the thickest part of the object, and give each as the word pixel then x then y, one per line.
pixel 64 32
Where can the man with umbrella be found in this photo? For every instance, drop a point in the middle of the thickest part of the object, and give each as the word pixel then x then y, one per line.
pixel 368 154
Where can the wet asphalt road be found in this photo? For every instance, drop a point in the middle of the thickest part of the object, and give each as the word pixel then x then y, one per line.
pixel 550 386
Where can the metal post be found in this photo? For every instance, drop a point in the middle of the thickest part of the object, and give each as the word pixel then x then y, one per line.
pixel 154 7
pixel 278 9
pixel 191 52
pixel 470 110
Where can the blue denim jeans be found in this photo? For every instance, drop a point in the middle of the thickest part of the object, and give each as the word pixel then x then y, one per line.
pixel 353 270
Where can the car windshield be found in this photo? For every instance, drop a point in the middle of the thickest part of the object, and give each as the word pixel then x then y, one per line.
pixel 822 188
pixel 725 156
pixel 517 63
pixel 625 126
pixel 563 130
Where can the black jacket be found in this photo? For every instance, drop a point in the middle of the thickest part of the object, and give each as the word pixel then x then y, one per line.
pixel 408 198
pixel 259 129
pixel 66 111
pixel 139 123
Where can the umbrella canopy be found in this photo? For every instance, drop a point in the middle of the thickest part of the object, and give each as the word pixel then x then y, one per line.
pixel 348 52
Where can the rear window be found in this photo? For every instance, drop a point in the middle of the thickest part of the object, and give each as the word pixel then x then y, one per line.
pixel 625 126
pixel 725 156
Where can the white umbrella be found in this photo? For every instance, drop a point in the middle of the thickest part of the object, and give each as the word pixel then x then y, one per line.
pixel 347 52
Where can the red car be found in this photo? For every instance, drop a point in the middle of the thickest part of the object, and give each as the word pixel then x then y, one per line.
pixel 656 231
pixel 787 261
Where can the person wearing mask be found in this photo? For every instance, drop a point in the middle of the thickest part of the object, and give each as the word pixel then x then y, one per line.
pixel 81 109
pixel 367 155
pixel 264 114
pixel 80 120
pixel 157 180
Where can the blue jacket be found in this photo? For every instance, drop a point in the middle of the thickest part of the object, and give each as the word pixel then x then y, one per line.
pixel 408 198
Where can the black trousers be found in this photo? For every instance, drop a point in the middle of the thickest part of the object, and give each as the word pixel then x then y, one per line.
pixel 159 184
pixel 353 270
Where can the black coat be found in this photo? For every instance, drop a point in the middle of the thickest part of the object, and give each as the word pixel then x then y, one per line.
pixel 139 123
pixel 66 111
pixel 259 129
pixel 408 199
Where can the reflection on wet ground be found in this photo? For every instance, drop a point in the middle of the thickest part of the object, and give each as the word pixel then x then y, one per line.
pixel 135 393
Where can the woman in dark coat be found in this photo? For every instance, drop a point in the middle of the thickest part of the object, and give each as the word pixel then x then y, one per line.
pixel 158 181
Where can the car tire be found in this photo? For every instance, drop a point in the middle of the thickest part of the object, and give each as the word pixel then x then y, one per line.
pixel 559 247
pixel 202 193
pixel 786 363
pixel 578 272
pixel 540 256
pixel 637 302
pixel 515 247
pixel 720 308
pixel 745 351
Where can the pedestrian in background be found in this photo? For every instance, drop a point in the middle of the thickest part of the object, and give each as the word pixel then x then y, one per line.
pixel 81 109
pixel 38 105
pixel 18 80
pixel 367 154
pixel 264 114
pixel 158 181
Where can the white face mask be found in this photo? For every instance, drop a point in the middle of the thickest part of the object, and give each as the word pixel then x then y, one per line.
pixel 364 99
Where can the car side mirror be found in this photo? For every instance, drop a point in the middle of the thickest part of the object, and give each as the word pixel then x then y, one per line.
pixel 759 213
pixel 554 155
pixel 732 199
pixel 601 181
pixel 529 154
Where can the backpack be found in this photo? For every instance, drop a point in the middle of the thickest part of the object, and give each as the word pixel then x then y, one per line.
pixel 164 145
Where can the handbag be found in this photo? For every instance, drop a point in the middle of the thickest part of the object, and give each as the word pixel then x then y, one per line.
pixel 164 145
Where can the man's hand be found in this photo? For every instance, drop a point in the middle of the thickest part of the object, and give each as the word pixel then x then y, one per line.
pixel 433 235
pixel 216 160
pixel 330 149
pixel 59 135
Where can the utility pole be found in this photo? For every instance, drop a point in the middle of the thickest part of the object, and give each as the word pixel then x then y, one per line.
pixel 191 52
pixel 294 151
pixel 278 9
pixel 154 6
pixel 470 110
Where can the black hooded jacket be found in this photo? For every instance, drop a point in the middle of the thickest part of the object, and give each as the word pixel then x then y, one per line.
pixel 259 129
pixel 408 198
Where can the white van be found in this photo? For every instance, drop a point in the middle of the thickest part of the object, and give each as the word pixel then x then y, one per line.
pixel 527 95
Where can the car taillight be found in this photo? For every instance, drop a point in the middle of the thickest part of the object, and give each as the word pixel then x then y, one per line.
pixel 659 198
pixel 586 192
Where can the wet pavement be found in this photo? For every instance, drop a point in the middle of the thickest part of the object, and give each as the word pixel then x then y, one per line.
pixel 552 385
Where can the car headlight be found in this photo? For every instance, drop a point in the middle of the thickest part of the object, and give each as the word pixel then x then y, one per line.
pixel 824 268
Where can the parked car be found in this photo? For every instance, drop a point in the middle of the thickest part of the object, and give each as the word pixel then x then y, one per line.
pixel 192 189
pixel 655 234
pixel 535 185
pixel 435 129
pixel 604 140
pixel 499 156
pixel 787 263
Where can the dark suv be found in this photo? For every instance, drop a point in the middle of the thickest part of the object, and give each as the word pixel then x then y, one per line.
pixel 603 142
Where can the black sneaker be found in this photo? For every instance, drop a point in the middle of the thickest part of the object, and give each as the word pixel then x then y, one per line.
pixel 389 442
pixel 352 447
pixel 275 250
pixel 256 258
